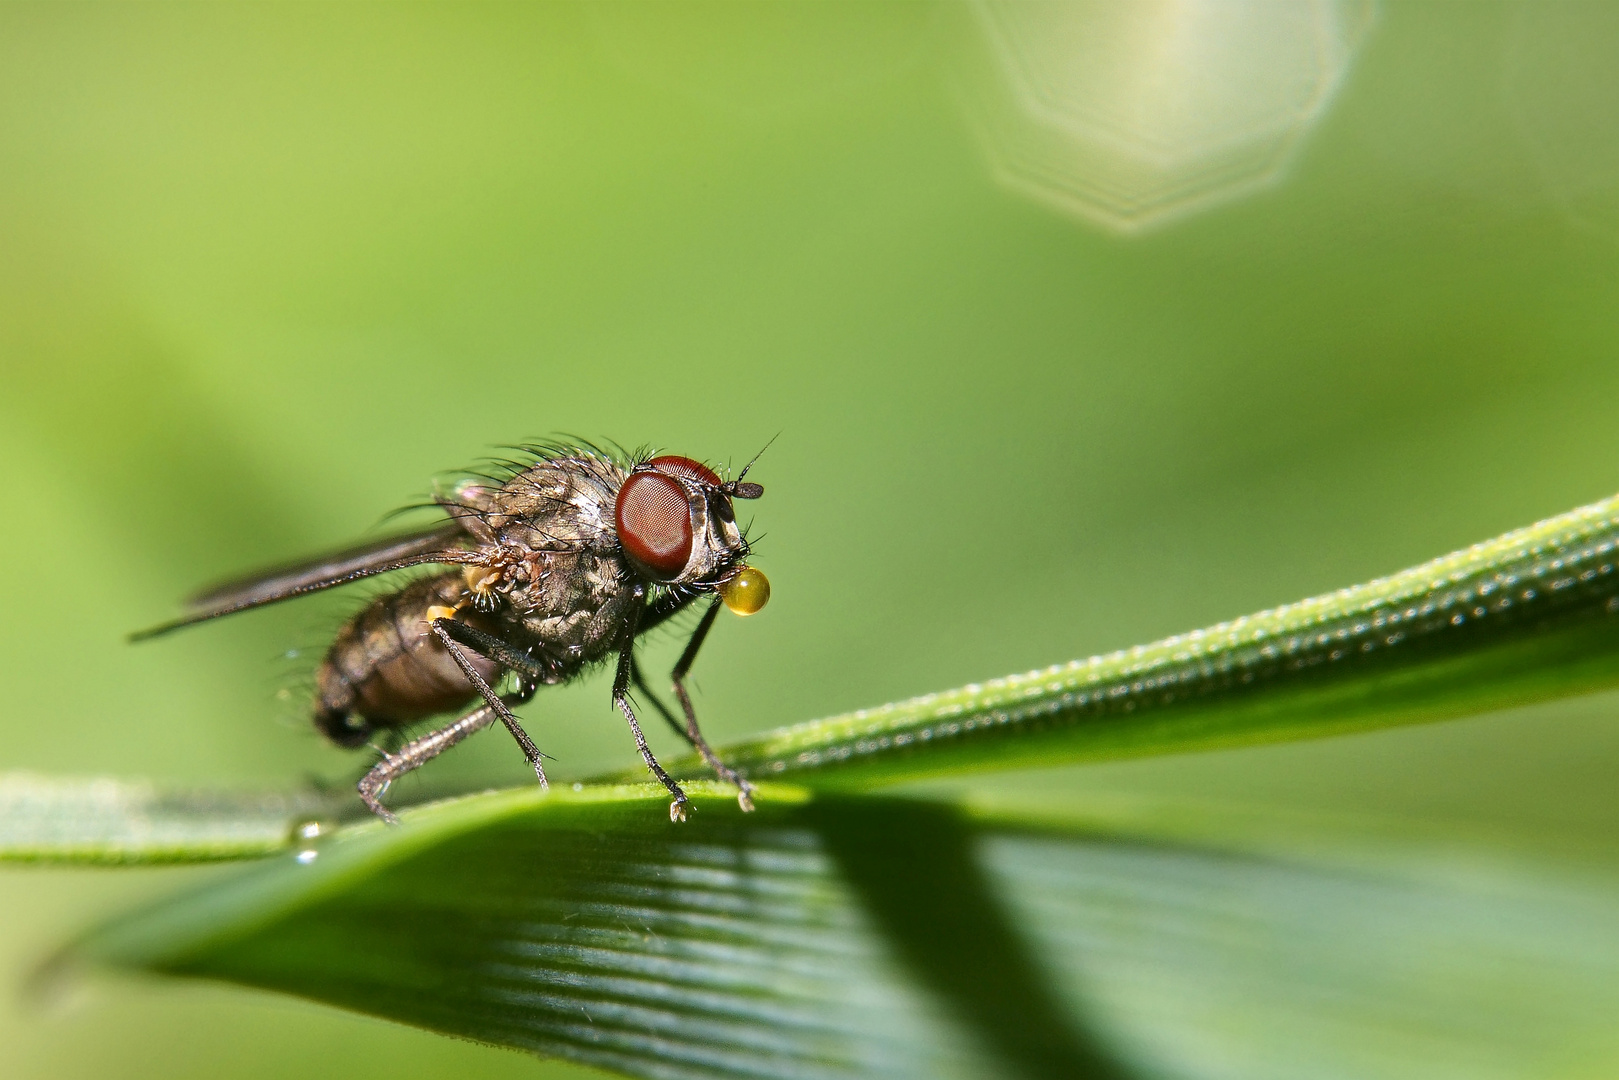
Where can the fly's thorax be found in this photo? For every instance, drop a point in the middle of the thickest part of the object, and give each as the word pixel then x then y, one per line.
pixel 574 605
pixel 549 565
pixel 557 504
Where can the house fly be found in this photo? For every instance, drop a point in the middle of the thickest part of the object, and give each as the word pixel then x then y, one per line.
pixel 557 563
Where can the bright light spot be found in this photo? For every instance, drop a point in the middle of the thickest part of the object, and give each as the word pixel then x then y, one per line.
pixel 1129 114
pixel 307 856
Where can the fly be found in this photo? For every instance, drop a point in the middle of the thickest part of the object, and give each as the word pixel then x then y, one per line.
pixel 562 562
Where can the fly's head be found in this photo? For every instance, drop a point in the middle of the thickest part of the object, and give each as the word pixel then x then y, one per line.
pixel 677 527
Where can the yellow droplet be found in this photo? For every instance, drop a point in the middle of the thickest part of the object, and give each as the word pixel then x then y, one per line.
pixel 747 592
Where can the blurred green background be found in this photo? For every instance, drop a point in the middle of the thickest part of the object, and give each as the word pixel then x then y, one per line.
pixel 265 271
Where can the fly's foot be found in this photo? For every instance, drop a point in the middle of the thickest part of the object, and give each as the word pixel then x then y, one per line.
pixel 677 810
pixel 744 796
pixel 371 788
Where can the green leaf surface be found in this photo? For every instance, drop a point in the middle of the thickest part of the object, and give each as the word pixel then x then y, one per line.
pixel 118 821
pixel 844 936
pixel 1525 617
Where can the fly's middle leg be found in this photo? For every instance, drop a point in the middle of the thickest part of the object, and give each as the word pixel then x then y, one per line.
pixel 447 630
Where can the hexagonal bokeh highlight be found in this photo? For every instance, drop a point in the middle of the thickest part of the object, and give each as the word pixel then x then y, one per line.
pixel 1131 114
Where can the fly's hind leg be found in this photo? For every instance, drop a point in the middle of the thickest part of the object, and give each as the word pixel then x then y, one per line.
pixel 386 741
pixel 413 755
pixel 744 790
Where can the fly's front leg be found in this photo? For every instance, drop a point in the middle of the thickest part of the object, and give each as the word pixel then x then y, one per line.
pixel 744 790
pixel 640 684
pixel 621 698
pixel 447 631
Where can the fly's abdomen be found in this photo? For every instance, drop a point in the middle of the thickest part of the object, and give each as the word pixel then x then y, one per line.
pixel 387 667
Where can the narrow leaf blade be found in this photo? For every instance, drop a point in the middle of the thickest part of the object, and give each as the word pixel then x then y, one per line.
pixel 53 819
pixel 1528 616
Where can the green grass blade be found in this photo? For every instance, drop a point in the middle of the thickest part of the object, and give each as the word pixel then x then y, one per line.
pixel 859 936
pixel 1524 617
pixel 48 819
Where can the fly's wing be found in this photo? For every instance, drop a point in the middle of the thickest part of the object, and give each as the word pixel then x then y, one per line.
pixel 438 544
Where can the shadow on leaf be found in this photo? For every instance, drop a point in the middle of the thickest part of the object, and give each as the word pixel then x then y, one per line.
pixel 914 866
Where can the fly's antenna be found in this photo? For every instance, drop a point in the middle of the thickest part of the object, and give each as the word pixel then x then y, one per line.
pixel 737 489
pixel 755 458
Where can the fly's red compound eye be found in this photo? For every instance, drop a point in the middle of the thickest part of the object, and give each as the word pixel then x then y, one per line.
pixel 687 468
pixel 654 521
